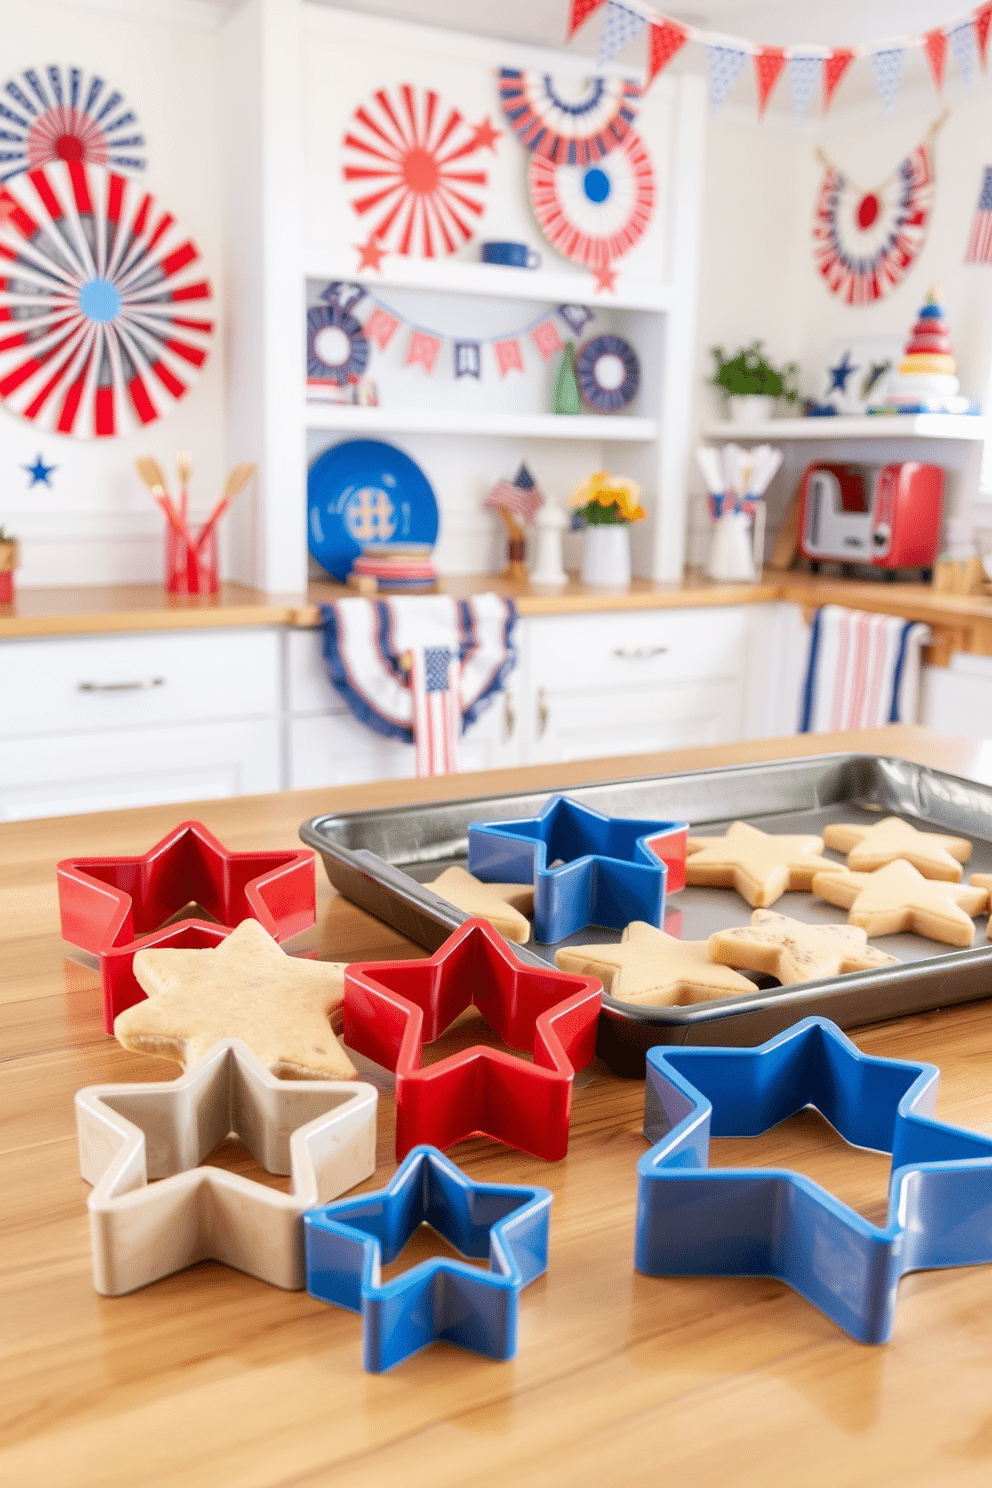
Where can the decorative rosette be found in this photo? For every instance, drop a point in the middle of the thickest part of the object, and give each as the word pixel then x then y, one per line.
pixel 594 214
pixel 568 130
pixel 56 113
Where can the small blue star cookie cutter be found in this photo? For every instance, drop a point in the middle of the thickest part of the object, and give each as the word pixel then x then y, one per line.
pixel 347 1242
pixel 610 868
pixel 695 1221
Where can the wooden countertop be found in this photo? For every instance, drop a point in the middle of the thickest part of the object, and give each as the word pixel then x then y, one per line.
pixel 213 1378
pixel 964 622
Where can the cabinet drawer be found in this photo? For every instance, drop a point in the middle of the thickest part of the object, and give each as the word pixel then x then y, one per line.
pixel 307 687
pixel 637 647
pixel 61 775
pixel 119 682
pixel 583 725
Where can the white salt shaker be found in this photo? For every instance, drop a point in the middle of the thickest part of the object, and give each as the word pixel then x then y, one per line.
pixel 549 523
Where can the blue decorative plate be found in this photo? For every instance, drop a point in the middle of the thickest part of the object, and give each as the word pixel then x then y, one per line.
pixel 365 491
pixel 609 373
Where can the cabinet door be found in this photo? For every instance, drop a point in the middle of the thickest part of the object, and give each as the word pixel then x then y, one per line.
pixel 589 723
pixel 59 775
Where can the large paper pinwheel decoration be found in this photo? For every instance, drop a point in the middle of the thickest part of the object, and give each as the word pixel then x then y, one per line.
pixel 593 214
pixel 864 241
pixel 568 130
pixel 406 163
pixel 101 295
pixel 57 113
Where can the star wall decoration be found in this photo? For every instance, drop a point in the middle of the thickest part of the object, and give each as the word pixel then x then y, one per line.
pixel 39 472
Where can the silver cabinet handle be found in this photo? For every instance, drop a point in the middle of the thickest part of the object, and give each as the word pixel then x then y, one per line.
pixel 639 653
pixel 139 685
pixel 509 716
pixel 542 712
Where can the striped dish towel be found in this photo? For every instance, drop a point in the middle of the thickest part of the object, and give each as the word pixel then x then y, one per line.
pixel 434 676
pixel 863 670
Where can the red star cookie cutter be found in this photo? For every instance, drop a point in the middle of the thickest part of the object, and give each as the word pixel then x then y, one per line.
pixel 392 1008
pixel 114 906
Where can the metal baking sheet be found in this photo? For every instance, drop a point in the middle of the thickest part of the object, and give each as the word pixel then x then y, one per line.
pixel 380 860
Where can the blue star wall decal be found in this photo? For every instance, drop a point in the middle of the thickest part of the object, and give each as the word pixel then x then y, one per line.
pixel 604 870
pixel 840 373
pixel 697 1221
pixel 39 472
pixel 348 1241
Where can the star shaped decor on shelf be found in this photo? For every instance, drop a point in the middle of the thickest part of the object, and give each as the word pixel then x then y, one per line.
pixel 795 951
pixel 439 1300
pixel 898 897
pixel 604 870
pixel 840 373
pixel 370 253
pixel 321 1133
pixel 654 969
pixel 39 472
pixel 759 865
pixel 696 1221
pixel 606 278
pixel 392 1008
pixel 869 847
pixel 113 906
pixel 484 137
pixel 244 988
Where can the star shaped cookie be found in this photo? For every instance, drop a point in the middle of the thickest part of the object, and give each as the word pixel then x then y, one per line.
pixel 759 865
pixel 898 897
pixel 244 988
pixel 505 905
pixel 794 951
pixel 871 847
pixel 654 969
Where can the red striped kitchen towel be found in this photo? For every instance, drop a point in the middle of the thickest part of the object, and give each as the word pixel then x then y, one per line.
pixel 863 670
pixel 434 675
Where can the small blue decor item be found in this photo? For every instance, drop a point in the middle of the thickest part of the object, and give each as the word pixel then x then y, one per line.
pixel 348 1241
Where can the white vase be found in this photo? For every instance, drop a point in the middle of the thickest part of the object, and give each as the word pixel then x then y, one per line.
pixel 751 408
pixel 606 556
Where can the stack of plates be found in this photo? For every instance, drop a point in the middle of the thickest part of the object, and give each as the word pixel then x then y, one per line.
pixel 398 568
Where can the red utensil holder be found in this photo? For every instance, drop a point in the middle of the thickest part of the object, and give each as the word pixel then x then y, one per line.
pixel 190 565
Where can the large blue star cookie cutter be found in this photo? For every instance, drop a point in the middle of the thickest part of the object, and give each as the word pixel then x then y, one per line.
pixel 347 1242
pixel 695 1221
pixel 610 870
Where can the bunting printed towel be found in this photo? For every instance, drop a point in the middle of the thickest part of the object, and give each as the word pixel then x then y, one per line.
pixel 369 644
pixel 863 670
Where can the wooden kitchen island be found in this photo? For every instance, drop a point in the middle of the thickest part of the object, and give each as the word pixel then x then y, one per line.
pixel 213 1378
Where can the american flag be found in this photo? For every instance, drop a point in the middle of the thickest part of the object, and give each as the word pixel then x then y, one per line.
pixel 979 250
pixel 434 672
pixel 519 496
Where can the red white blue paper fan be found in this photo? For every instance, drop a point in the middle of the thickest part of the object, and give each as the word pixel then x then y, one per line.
pixel 406 162
pixel 609 373
pixel 337 350
pixel 864 241
pixel 572 130
pixel 103 300
pixel 594 214
pixel 63 113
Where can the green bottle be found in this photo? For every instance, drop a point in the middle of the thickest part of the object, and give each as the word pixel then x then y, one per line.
pixel 566 395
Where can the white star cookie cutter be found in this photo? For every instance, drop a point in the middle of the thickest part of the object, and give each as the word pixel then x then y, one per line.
pixel 321 1132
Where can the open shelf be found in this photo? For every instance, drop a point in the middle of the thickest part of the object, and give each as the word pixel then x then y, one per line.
pixel 346 417
pixel 456 276
pixel 871 426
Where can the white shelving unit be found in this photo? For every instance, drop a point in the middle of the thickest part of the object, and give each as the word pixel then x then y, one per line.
pixel 956 426
pixel 295 72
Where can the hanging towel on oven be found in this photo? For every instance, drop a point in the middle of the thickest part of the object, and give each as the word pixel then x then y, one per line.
pixel 420 668
pixel 862 670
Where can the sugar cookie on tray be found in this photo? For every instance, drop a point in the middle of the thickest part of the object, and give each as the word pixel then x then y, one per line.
pixel 795 951
pixel 247 988
pixel 759 865
pixel 651 968
pixel 898 897
pixel 505 905
pixel 870 847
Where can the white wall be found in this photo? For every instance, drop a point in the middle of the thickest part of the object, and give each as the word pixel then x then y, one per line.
pixel 97 524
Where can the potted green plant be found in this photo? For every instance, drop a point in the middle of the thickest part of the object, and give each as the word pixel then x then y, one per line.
pixel 605 505
pixel 8 562
pixel 752 383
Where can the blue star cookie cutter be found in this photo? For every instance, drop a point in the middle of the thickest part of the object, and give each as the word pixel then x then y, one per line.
pixel 695 1221
pixel 347 1242
pixel 610 869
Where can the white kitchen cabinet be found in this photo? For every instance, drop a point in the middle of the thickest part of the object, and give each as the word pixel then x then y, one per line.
pixel 93 723
pixel 957 699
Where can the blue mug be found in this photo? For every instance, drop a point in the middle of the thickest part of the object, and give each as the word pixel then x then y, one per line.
pixel 512 255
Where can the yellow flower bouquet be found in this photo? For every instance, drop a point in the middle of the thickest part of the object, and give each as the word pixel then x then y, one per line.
pixel 605 500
